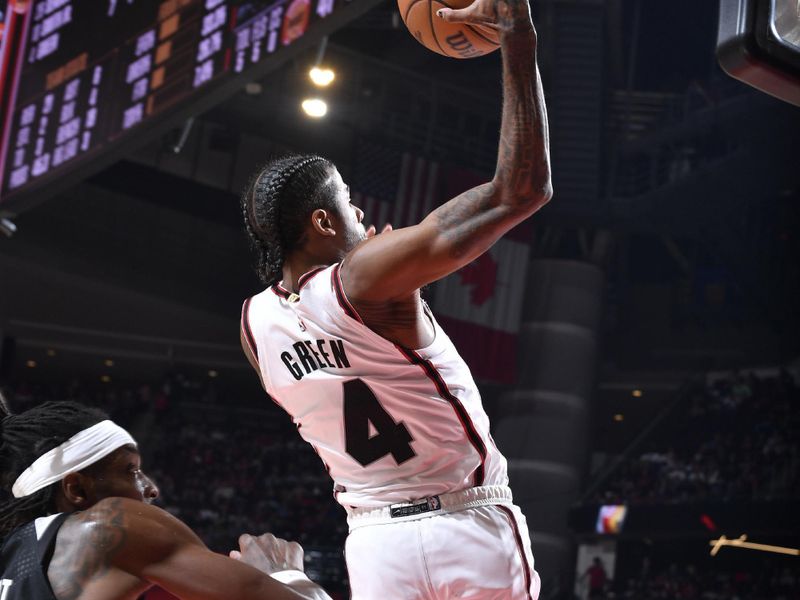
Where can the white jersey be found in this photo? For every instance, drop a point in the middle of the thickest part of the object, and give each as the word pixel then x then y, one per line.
pixel 391 424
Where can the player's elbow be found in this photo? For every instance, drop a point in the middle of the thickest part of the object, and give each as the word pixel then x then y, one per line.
pixel 534 199
pixel 544 194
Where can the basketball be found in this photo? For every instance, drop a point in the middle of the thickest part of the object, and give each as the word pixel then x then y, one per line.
pixel 456 40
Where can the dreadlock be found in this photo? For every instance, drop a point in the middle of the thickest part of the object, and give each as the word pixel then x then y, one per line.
pixel 23 439
pixel 276 205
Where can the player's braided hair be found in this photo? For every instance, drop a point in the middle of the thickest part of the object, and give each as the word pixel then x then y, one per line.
pixel 276 205
pixel 24 438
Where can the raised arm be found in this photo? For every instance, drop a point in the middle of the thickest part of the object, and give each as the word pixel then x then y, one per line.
pixel 122 536
pixel 393 265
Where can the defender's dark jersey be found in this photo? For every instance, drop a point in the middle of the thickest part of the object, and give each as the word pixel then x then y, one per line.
pixel 24 560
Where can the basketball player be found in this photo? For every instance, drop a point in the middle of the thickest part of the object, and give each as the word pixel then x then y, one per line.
pixel 80 525
pixel 342 341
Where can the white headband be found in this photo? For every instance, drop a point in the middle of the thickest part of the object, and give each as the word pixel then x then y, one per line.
pixel 78 452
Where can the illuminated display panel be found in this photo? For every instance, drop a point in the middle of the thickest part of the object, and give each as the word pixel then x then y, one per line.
pixel 83 75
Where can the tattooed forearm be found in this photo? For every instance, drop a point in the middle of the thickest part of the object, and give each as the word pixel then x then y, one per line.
pixel 521 184
pixel 460 219
pixel 86 545
pixel 473 221
pixel 523 160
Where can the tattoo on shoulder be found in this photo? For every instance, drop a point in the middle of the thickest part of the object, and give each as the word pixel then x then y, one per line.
pixel 87 542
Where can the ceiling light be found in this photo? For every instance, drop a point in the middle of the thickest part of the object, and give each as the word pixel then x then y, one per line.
pixel 253 88
pixel 105 379
pixel 619 417
pixel 108 362
pixel 636 393
pixel 321 76
pixel 51 352
pixel 31 364
pixel 315 107
pixel 212 373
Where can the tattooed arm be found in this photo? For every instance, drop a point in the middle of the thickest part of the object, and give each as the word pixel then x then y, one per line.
pixel 120 547
pixel 392 265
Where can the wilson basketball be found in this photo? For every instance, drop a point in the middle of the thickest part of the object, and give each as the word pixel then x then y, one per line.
pixel 456 40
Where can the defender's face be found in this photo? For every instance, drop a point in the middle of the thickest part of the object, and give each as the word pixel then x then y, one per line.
pixel 349 216
pixel 120 474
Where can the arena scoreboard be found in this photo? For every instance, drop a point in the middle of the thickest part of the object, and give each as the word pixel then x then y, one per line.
pixel 81 78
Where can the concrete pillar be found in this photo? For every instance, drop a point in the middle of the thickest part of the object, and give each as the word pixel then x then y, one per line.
pixel 541 426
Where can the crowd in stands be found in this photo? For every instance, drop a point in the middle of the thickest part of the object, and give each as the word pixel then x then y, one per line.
pixel 229 473
pixel 735 439
pixel 690 582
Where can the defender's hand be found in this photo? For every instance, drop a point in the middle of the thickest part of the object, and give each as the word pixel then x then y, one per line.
pixel 269 554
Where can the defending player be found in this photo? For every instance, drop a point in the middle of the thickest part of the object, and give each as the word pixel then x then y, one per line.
pixel 81 527
pixel 343 342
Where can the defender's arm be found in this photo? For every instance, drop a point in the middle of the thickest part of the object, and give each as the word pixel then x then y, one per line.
pixel 154 546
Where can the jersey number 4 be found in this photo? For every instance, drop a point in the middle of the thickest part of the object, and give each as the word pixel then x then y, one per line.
pixel 361 408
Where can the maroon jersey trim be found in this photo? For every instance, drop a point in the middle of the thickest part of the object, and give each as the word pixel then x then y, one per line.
pixel 463 416
pixel 520 547
pixel 281 291
pixel 341 297
pixel 248 334
pixel 306 277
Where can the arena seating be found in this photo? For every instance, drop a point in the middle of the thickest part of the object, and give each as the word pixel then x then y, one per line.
pixel 736 439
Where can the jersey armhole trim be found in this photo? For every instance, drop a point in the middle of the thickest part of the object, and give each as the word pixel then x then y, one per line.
pixel 338 289
pixel 444 392
pixel 248 334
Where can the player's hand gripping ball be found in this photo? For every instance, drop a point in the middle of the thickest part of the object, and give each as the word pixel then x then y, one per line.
pixel 461 34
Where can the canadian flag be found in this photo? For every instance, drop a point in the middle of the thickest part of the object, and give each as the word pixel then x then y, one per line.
pixel 480 305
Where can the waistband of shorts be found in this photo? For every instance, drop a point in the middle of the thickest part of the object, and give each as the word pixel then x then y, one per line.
pixel 429 507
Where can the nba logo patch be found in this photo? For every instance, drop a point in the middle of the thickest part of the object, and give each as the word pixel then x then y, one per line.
pixel 434 503
pixel 301 324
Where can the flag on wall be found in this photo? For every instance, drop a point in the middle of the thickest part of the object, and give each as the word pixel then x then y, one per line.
pixel 394 187
pixel 480 305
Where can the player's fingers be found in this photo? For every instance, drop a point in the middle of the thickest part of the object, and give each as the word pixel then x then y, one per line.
pixel 387 227
pixel 454 15
pixel 371 231
pixel 235 555
pixel 245 540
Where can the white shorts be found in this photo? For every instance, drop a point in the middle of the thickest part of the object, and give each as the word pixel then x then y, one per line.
pixel 481 553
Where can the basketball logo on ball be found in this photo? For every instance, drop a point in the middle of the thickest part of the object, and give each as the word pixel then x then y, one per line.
pixel 456 40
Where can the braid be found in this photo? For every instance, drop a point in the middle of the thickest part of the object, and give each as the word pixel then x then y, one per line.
pixel 23 439
pixel 275 206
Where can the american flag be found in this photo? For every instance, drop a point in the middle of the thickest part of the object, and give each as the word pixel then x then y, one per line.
pixel 394 187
